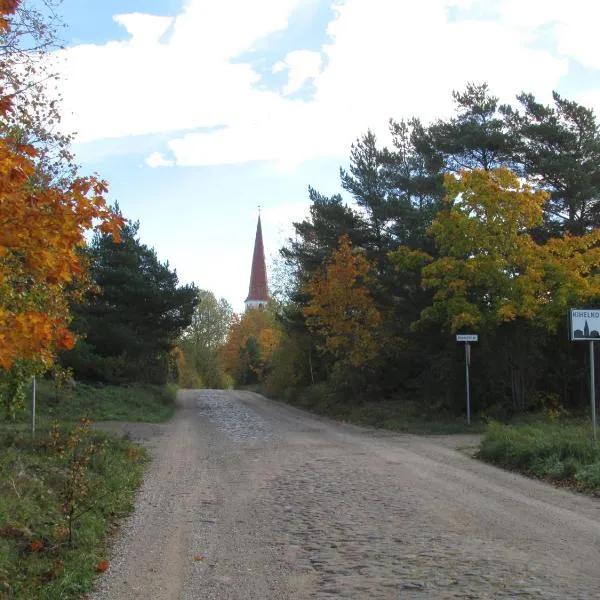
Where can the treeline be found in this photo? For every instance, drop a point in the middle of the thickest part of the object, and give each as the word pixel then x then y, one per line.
pixel 486 223
pixel 131 318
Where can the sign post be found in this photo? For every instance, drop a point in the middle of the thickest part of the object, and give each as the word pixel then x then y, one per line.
pixel 584 325
pixel 593 390
pixel 33 409
pixel 467 339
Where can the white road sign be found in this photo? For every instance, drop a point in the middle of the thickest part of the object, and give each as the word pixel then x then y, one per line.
pixel 467 337
pixel 585 324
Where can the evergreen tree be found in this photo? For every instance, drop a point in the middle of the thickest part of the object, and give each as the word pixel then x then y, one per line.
pixel 560 148
pixel 477 138
pixel 138 313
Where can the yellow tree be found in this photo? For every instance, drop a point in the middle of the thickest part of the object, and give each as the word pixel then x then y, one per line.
pixel 490 270
pixel 252 339
pixel 491 275
pixel 341 307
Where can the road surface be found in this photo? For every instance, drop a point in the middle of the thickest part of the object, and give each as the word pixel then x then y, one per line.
pixel 248 499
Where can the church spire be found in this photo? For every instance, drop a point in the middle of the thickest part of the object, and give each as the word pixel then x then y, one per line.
pixel 258 295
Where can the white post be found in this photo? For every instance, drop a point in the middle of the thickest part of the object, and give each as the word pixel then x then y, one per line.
pixel 593 390
pixel 33 409
pixel 467 360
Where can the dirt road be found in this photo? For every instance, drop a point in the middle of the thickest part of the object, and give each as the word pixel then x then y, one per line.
pixel 252 500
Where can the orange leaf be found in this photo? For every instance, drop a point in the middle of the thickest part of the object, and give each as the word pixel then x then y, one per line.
pixel 102 566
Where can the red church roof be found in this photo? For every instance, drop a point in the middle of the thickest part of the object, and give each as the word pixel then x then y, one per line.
pixel 258 278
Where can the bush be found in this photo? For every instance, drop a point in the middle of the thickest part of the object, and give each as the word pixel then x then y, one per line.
pixel 61 495
pixel 556 451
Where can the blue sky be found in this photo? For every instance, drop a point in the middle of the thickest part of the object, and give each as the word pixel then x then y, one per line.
pixel 197 111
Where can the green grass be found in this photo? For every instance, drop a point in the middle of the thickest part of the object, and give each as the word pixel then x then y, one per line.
pixel 153 404
pixel 36 558
pixel 33 476
pixel 559 452
pixel 394 415
pixel 398 416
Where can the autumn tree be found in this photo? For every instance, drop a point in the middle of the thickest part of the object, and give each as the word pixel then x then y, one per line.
pixel 41 267
pixel 490 269
pixel 205 334
pixel 251 341
pixel 492 276
pixel 341 307
pixel 29 79
pixel 183 371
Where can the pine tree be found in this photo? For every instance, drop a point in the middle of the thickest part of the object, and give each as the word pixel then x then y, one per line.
pixel 137 315
pixel 560 148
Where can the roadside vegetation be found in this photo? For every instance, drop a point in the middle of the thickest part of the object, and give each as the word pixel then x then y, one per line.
pixel 393 415
pixel 98 402
pixel 62 494
pixel 64 491
pixel 560 452
pixel 87 309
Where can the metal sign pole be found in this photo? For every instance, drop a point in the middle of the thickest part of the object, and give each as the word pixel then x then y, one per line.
pixel 33 409
pixel 584 325
pixel 593 390
pixel 467 360
pixel 467 338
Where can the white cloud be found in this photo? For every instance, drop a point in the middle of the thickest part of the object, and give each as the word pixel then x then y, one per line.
pixel 302 66
pixel 575 24
pixel 386 58
pixel 140 86
pixel 156 159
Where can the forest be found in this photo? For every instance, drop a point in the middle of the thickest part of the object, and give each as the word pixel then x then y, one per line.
pixel 484 223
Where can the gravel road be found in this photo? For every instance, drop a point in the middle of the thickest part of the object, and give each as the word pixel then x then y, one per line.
pixel 248 499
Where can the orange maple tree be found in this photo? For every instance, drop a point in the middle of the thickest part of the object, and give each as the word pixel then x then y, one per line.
pixel 41 233
pixel 342 308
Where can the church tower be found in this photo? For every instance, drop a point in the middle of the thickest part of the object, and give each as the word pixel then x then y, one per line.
pixel 258 295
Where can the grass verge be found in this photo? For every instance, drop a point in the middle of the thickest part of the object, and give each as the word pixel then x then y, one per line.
pixel 139 402
pixel 563 453
pixel 61 496
pixel 63 493
pixel 394 415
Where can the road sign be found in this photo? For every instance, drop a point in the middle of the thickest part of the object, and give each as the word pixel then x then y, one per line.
pixel 584 324
pixel 467 337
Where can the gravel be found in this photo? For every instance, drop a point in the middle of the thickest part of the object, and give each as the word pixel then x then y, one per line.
pixel 250 499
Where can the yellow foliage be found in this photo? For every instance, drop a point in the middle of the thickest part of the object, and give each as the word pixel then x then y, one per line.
pixel 342 309
pixel 257 324
pixel 491 270
pixel 187 376
pixel 41 234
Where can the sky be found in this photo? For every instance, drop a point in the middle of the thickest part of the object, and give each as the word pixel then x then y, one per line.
pixel 198 111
